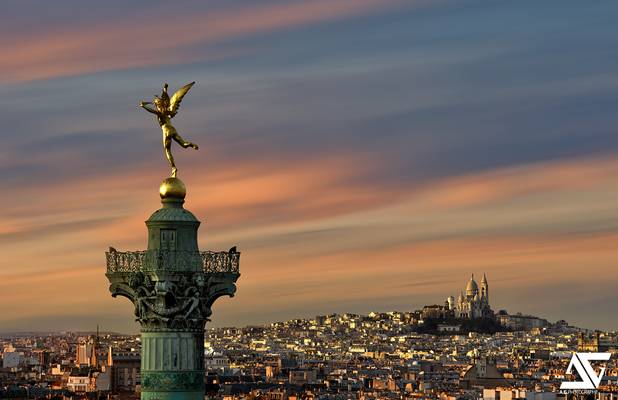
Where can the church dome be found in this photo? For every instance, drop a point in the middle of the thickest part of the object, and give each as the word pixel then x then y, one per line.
pixel 472 288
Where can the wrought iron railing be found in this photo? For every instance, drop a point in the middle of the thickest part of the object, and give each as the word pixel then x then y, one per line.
pixel 209 261
pixel 124 261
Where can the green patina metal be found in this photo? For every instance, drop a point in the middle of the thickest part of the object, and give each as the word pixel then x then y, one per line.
pixel 172 286
pixel 186 381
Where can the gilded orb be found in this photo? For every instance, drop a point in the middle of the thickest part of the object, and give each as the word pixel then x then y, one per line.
pixel 172 188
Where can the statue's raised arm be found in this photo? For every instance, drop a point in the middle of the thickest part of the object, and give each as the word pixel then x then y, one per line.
pixel 166 109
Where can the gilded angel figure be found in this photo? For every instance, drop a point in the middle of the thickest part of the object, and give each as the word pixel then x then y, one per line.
pixel 165 109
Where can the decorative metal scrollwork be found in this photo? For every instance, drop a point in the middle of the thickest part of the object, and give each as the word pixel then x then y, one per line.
pixel 209 261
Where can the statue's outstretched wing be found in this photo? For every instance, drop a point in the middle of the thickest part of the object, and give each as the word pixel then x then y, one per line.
pixel 177 97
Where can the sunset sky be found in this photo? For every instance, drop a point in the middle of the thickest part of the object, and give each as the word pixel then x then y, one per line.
pixel 364 155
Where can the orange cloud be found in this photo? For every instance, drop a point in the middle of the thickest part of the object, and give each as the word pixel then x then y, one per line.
pixel 507 183
pixel 334 240
pixel 138 42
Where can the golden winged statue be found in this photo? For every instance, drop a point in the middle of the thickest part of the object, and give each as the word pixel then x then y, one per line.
pixel 165 109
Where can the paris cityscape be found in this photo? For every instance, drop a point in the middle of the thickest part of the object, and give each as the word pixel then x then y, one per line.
pixel 444 351
pixel 309 200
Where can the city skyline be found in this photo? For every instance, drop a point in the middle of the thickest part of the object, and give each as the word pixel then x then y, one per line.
pixel 363 156
pixel 381 355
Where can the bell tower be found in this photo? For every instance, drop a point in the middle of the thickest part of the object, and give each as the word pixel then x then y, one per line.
pixel 485 289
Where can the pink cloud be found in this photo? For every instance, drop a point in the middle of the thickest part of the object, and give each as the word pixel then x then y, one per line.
pixel 322 228
pixel 160 40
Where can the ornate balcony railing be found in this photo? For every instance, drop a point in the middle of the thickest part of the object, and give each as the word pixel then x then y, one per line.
pixel 210 262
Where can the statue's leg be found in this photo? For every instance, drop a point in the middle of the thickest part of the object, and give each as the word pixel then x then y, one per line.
pixel 170 158
pixel 183 142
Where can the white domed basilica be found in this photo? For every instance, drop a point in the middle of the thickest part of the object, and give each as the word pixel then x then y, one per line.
pixel 474 304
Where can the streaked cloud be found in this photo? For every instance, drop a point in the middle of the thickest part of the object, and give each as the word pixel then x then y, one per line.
pixel 533 228
pixel 168 37
pixel 363 155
